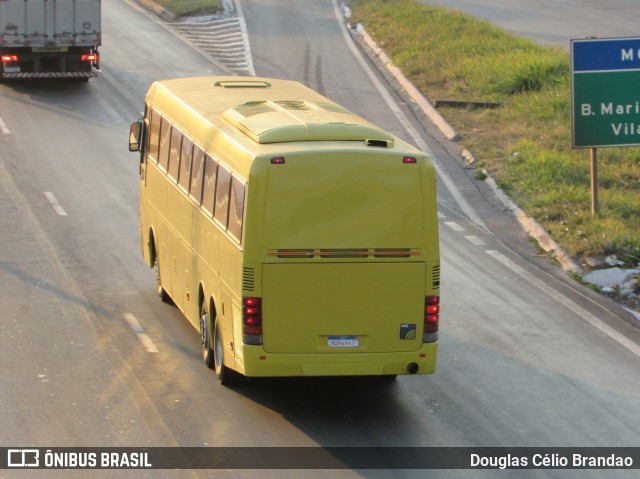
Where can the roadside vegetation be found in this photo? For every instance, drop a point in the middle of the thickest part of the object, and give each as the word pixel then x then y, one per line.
pixel 525 142
pixel 182 8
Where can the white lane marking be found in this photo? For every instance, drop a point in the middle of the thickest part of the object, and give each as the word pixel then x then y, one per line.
pixel 454 226
pixel 475 240
pixel 584 314
pixel 3 127
pixel 54 202
pixel 142 336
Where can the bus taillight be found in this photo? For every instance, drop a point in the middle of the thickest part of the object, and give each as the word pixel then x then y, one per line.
pixel 431 318
pixel 252 320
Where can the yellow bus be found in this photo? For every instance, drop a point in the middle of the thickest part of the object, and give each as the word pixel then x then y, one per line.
pixel 297 237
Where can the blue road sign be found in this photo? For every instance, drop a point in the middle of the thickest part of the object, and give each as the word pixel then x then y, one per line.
pixel 605 54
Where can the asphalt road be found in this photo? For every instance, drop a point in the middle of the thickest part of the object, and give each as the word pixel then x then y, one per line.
pixel 556 22
pixel 527 356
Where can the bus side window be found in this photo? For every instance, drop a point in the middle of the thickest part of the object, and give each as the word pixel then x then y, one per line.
pixel 174 153
pixel 209 188
pixel 154 134
pixel 222 196
pixel 163 151
pixel 197 174
pixel 184 178
pixel 236 208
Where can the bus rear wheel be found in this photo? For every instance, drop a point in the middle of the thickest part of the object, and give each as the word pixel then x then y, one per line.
pixel 223 373
pixel 205 337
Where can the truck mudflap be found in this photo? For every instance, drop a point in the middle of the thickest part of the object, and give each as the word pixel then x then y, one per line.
pixel 64 75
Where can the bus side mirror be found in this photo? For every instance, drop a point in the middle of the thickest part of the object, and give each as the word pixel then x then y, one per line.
pixel 135 136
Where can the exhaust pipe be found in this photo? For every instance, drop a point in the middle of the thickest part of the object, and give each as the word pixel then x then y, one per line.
pixel 412 368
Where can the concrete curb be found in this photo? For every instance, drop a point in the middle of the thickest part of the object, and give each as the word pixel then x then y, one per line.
pixel 528 224
pixel 533 228
pixel 411 90
pixel 162 12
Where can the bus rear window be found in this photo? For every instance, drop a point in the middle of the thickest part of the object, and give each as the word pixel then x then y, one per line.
pixel 322 200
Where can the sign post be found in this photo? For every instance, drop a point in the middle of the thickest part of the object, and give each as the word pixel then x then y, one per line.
pixel 595 208
pixel 605 97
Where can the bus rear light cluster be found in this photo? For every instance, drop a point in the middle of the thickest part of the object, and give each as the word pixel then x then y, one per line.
pixel 252 320
pixel 431 318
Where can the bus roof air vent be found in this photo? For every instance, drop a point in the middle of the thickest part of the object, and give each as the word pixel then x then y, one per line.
pixel 297 120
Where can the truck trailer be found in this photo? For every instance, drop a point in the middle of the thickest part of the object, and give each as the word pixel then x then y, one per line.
pixel 49 38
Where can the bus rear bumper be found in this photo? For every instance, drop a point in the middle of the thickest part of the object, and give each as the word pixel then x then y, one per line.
pixel 259 363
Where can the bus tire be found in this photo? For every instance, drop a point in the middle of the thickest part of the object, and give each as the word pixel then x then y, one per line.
pixel 162 293
pixel 223 373
pixel 205 337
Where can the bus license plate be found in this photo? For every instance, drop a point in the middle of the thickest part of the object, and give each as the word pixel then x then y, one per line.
pixel 343 342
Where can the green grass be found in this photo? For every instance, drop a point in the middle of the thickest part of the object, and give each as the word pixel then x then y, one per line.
pixel 526 143
pixel 191 7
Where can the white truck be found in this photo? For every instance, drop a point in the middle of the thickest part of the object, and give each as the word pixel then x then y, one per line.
pixel 49 38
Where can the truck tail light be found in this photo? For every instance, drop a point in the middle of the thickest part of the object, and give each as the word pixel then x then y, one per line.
pixel 252 320
pixel 431 318
pixel 9 58
pixel 91 57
